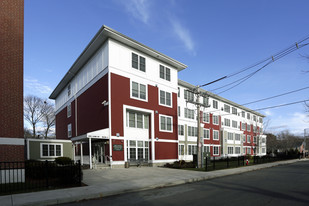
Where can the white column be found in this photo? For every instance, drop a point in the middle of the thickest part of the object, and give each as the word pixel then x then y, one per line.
pixel 74 152
pixel 81 154
pixel 90 157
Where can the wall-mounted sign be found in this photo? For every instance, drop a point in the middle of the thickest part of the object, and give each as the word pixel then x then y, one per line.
pixel 117 147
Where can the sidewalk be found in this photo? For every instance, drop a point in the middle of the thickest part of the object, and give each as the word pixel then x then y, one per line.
pixel 107 182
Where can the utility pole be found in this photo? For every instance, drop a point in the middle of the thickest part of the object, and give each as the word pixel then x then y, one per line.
pixel 198 105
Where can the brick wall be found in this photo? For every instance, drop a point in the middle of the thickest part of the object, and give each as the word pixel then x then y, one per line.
pixel 11 68
pixel 11 153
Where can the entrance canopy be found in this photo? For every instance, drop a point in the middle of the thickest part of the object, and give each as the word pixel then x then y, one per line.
pixel 99 134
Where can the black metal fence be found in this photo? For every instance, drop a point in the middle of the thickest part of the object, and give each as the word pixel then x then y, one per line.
pixel 231 162
pixel 27 176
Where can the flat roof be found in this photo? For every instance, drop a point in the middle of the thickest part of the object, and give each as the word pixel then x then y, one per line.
pixel 188 85
pixel 97 41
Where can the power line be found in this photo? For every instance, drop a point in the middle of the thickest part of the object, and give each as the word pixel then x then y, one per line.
pixel 281 105
pixel 279 95
pixel 271 59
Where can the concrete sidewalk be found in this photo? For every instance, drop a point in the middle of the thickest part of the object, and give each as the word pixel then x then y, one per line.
pixel 107 182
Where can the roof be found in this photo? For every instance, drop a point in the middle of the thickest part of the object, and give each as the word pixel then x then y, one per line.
pixel 188 85
pixel 97 41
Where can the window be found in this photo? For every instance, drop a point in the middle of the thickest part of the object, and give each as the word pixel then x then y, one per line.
pixel 248 115
pixel 243 126
pixel 181 149
pixel 206 149
pixel 248 150
pixel 215 135
pixel 69 110
pixel 205 101
pixel 205 117
pixel 206 133
pixel 165 98
pixel 248 138
pixel 263 150
pixel 192 149
pixel 227 122
pixel 254 139
pixel 234 124
pixel 230 150
pixel 237 137
pixel 166 123
pixel 178 111
pixel 138 91
pixel 189 113
pixel 254 118
pixel 237 150
pixel 137 149
pixel 69 90
pixel 215 150
pixel 165 73
pixel 261 120
pixel 51 150
pixel 234 110
pixel 215 104
pixel 192 131
pixel 137 120
pixel 227 108
pixel 230 136
pixel 180 130
pixel 178 92
pixel 69 130
pixel 248 127
pixel 243 114
pixel 188 95
pixel 254 129
pixel 263 140
pixel 215 119
pixel 138 62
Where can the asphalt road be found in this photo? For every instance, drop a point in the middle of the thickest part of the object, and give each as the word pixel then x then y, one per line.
pixel 281 185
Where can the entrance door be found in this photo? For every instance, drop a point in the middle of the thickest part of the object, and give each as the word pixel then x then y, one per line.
pixel 98 152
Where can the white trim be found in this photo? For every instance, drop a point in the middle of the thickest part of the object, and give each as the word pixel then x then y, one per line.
pixel 49 140
pixel 171 98
pixel 213 134
pixel 54 144
pixel 12 141
pixel 167 140
pixel 172 129
pixel 138 98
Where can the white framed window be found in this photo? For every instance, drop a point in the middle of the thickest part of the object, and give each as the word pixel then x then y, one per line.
pixel 181 150
pixel 69 112
pixel 263 150
pixel 165 73
pixel 206 149
pixel 192 131
pixel 243 126
pixel 244 138
pixel 263 140
pixel 234 110
pixel 215 119
pixel 227 122
pixel 166 123
pixel 248 115
pixel 230 136
pixel 227 108
pixel 178 111
pixel 215 150
pixel 138 62
pixel 165 98
pixel 206 117
pixel 230 150
pixel 237 150
pixel 215 104
pixel 192 149
pixel 260 119
pixel 138 91
pixel 69 130
pixel 206 133
pixel 254 118
pixel 248 138
pixel 249 127
pixel 189 113
pixel 237 137
pixel 215 135
pixel 205 101
pixel 51 150
pixel 188 95
pixel 137 120
pixel 180 130
pixel 249 151
pixel 137 149
pixel 243 114
pixel 254 139
pixel 178 92
pixel 234 124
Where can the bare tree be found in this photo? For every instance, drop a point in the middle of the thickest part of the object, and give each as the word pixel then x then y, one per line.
pixel 48 117
pixel 33 111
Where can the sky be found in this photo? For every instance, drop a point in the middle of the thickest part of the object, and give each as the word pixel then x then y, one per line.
pixel 213 38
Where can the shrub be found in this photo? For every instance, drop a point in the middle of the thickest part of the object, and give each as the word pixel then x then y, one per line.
pixel 63 160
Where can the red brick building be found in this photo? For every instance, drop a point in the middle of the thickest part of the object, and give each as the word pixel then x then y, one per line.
pixel 11 80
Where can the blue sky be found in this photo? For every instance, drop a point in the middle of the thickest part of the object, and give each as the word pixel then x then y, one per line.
pixel 214 38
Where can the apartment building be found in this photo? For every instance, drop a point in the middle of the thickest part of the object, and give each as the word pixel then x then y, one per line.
pixel 121 101
pixel 227 128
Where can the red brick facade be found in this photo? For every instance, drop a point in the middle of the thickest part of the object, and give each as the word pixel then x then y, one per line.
pixel 11 77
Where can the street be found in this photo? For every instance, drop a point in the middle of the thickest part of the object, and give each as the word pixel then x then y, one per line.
pixel 281 185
